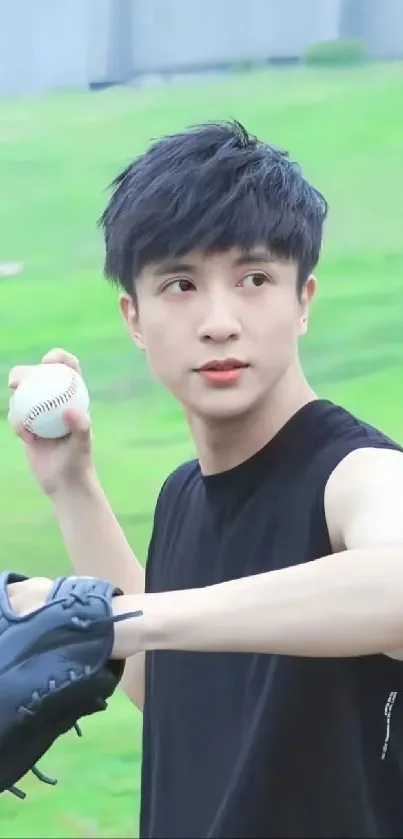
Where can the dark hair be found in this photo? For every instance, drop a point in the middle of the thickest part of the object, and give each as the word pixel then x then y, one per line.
pixel 212 187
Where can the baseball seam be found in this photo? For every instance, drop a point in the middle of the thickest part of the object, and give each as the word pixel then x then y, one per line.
pixel 48 404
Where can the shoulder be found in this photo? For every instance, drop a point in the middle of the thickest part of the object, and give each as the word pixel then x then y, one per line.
pixel 179 483
pixel 363 495
pixel 358 451
pixel 345 439
pixel 176 507
pixel 333 440
pixel 349 454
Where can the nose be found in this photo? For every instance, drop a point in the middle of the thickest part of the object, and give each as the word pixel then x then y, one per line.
pixel 219 324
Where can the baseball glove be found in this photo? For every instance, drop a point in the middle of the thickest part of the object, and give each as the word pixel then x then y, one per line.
pixel 55 668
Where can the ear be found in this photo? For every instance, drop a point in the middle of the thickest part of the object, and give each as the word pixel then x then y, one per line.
pixel 307 295
pixel 129 311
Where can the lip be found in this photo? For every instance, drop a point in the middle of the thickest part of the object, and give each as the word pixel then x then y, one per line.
pixel 222 365
pixel 223 372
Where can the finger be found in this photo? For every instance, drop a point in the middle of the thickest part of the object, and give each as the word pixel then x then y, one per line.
pixel 32 584
pixel 60 356
pixel 77 422
pixel 26 436
pixel 17 374
pixel 21 432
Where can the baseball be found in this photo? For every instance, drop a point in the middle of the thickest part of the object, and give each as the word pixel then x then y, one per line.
pixel 42 397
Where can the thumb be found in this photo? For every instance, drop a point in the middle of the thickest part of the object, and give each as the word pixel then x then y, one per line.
pixel 77 422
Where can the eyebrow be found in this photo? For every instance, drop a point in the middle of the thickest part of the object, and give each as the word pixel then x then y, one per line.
pixel 176 266
pixel 256 258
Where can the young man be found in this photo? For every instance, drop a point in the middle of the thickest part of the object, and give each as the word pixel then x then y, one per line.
pixel 273 605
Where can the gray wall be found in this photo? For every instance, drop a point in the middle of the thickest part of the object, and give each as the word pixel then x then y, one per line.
pixel 110 47
pixel 381 26
pixel 43 45
pixel 151 36
pixel 51 44
pixel 182 34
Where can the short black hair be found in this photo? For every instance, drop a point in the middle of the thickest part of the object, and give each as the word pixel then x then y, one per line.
pixel 211 188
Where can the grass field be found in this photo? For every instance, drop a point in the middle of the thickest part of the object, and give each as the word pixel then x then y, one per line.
pixel 57 155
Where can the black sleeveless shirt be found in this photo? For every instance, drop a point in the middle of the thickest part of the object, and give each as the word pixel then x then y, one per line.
pixel 245 745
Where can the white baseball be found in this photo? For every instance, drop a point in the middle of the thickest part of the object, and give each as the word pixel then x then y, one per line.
pixel 40 400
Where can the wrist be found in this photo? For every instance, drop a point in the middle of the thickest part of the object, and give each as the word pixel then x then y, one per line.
pixel 166 621
pixel 75 489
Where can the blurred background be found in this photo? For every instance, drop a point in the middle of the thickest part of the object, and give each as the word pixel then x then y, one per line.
pixel 84 86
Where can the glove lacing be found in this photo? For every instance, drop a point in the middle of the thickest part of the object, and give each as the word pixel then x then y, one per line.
pixel 101 704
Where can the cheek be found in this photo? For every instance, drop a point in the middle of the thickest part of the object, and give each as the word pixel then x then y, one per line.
pixel 162 345
pixel 280 321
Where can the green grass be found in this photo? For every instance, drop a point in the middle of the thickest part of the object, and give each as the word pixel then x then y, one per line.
pixel 57 155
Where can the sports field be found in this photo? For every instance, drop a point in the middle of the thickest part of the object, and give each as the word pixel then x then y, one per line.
pixel 57 156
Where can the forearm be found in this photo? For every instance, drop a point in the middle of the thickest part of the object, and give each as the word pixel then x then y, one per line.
pixel 346 604
pixel 94 540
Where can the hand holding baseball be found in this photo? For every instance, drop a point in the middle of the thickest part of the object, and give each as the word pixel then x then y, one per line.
pixel 49 410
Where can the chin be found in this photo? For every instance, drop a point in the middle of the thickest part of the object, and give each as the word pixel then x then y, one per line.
pixel 224 405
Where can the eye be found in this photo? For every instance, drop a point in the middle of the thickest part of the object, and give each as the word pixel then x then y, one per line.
pixel 254 280
pixel 179 286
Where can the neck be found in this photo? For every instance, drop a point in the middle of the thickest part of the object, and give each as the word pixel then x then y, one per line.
pixel 222 444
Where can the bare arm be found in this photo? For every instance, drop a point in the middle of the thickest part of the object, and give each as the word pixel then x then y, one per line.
pixel 93 538
pixel 346 604
pixel 97 547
